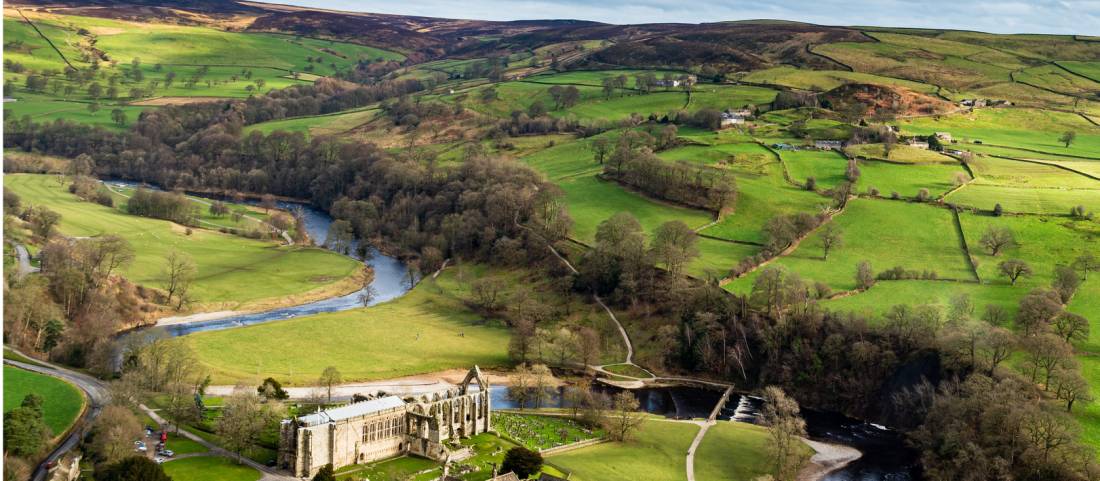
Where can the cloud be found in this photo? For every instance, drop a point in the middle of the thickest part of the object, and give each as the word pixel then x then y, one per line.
pixel 1013 16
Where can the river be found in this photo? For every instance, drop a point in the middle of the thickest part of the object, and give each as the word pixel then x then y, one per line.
pixel 391 279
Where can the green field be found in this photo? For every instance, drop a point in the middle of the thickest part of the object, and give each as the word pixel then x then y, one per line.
pixel 62 402
pixel 209 467
pixel 1022 128
pixel 735 451
pixel 899 153
pixel 656 455
pixel 328 124
pixel 436 333
pixel 228 266
pixel 821 80
pixel 1025 200
pixel 907 180
pixel 760 198
pixel 826 166
pixel 885 233
pixel 592 201
pixel 1014 173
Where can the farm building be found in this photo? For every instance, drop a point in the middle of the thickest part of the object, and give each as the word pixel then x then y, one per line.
pixel 944 136
pixel 828 144
pixel 920 144
pixel 385 427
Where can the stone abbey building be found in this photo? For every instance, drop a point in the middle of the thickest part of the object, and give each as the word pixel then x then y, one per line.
pixel 385 427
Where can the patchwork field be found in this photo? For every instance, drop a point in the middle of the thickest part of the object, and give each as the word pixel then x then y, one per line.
pixel 884 233
pixel 228 265
pixel 62 402
pixel 591 201
pixel 1025 200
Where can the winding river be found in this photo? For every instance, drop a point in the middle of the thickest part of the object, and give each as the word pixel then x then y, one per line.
pixel 885 456
pixel 391 280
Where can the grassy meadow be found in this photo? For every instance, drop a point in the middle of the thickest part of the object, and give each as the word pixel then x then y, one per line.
pixel 657 454
pixel 230 268
pixel 436 333
pixel 209 467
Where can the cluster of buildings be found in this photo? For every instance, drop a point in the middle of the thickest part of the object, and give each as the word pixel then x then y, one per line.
pixel 387 426
pixel 735 117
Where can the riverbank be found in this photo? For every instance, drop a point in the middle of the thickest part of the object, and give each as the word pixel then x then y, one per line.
pixel 214 311
pixel 401 386
pixel 826 459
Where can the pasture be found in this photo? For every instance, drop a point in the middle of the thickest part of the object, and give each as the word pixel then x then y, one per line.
pixel 436 333
pixel 907 180
pixel 1024 200
pixel 1021 128
pixel 760 198
pixel 228 266
pixel 592 201
pixel 826 166
pixel 736 451
pixel 899 153
pixel 886 234
pixel 62 402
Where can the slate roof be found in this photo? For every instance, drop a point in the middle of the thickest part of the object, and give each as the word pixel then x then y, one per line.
pixel 351 410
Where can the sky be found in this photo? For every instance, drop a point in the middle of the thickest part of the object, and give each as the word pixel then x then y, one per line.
pixel 1081 17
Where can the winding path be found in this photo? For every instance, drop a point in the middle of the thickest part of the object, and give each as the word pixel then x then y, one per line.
pixel 24 259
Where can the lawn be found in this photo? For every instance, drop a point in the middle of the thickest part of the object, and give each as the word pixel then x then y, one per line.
pixel 402 468
pixel 201 468
pixel 735 451
pixel 657 454
pixel 592 201
pixel 717 257
pixel 542 432
pixel 233 272
pixel 886 234
pixel 436 333
pixel 62 402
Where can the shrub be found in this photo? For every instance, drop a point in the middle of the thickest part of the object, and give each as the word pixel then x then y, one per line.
pixel 522 461
pixel 895 195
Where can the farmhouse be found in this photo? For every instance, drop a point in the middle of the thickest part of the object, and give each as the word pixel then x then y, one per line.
pixel 944 136
pixel 828 144
pixel 920 144
pixel 385 427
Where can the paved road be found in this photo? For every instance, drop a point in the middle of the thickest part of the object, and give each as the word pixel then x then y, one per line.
pixel 25 266
pixel 94 390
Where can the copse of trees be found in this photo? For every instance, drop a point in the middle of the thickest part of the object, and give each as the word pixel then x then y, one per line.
pixel 634 164
pixel 172 206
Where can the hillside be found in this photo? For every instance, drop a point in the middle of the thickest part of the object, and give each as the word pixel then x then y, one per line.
pixel 898 225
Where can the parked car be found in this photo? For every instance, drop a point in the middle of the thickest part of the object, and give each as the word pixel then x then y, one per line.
pixel 166 453
pixel 140 446
pixel 159 459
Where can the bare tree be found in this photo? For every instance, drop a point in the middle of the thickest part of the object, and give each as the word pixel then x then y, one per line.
pixel 244 419
pixel 330 377
pixel 1087 262
pixel 625 418
pixel 831 237
pixel 1014 269
pixel 784 420
pixel 114 432
pixel 179 274
pixel 997 239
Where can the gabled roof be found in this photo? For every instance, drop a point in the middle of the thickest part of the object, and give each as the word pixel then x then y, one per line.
pixel 351 410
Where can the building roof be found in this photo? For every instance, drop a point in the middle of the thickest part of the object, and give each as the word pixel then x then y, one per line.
pixel 509 476
pixel 352 410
